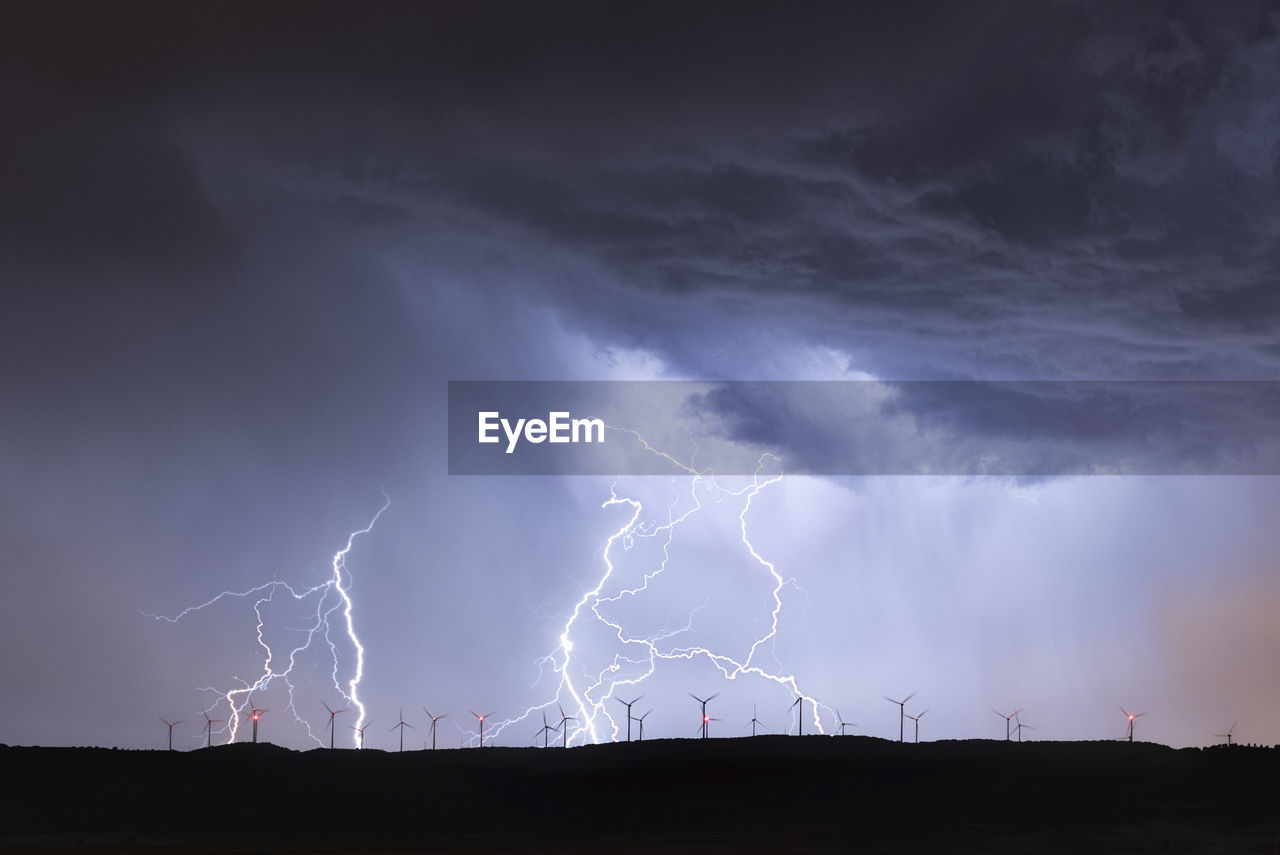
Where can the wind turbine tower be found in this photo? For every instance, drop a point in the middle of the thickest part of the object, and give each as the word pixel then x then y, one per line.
pixel 332 714
pixel 434 719
pixel 545 732
pixel 844 724
pixel 257 714
pixel 1008 722
pixel 172 725
pixel 641 720
pixel 704 702
pixel 208 729
pixel 1131 717
pixel 799 721
pixel 564 727
pixel 628 704
pixel 902 713
pixel 401 726
pixel 481 718
pixel 916 719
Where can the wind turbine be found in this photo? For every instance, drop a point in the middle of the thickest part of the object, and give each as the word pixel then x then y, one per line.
pixel 799 721
pixel 916 719
pixel 361 730
pixel 545 732
pixel 641 720
pixel 208 728
pixel 755 721
pixel 705 719
pixel 401 726
pixel 628 704
pixel 172 725
pixel 844 724
pixel 434 719
pixel 1227 735
pixel 1007 719
pixel 567 718
pixel 481 718
pixel 902 712
pixel 257 714
pixel 1019 728
pixel 332 713
pixel 1131 716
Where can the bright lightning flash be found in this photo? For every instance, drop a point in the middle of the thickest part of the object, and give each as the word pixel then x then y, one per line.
pixel 589 693
pixel 330 596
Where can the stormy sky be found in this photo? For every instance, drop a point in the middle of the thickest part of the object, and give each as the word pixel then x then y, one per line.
pixel 245 247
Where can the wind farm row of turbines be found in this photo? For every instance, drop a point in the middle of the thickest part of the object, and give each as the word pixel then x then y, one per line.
pixel 1014 726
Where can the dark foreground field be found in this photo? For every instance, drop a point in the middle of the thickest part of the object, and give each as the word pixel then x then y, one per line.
pixel 770 794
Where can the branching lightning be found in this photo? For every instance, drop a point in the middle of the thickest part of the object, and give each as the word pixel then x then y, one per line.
pixel 330 596
pixel 587 692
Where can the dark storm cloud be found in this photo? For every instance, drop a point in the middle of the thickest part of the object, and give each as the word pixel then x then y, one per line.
pixel 1025 429
pixel 988 190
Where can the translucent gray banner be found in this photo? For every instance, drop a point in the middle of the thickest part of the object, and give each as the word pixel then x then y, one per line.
pixel 1032 429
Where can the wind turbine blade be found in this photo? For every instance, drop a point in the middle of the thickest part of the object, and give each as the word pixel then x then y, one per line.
pixel 713 697
pixel 326 708
pixel 914 692
pixel 921 715
pixel 698 699
pixel 892 701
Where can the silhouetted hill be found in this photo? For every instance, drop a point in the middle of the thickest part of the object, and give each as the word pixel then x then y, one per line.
pixel 767 794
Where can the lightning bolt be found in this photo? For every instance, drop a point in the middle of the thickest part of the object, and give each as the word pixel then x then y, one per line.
pixel 589 693
pixel 330 596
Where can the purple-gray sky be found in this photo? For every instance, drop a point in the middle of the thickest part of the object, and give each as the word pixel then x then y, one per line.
pixel 243 248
